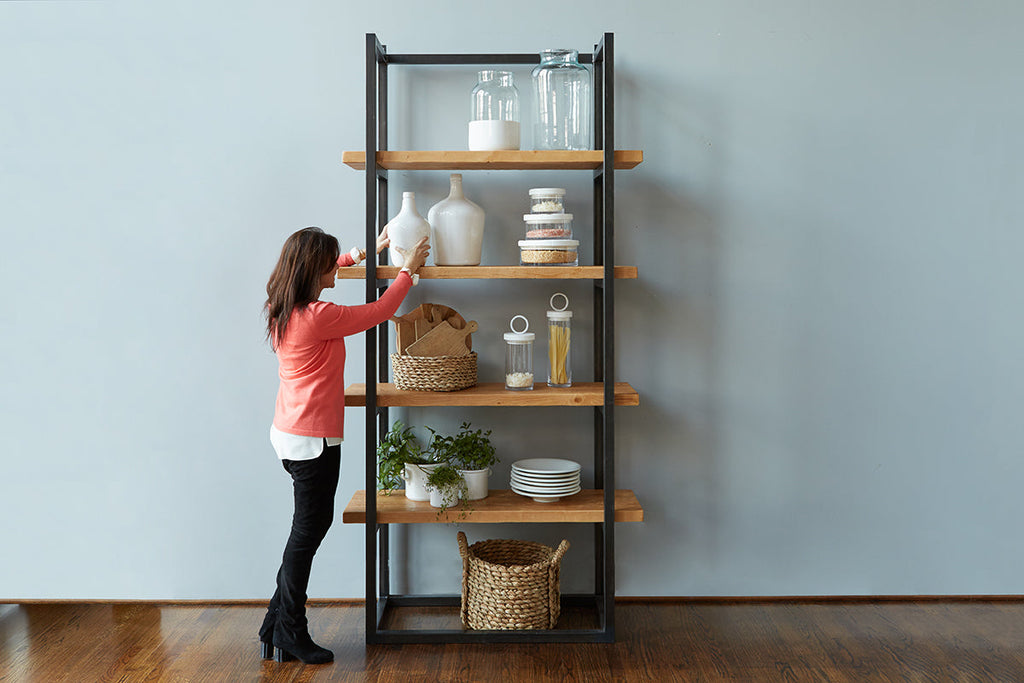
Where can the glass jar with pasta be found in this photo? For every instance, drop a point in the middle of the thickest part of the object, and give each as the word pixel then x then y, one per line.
pixel 559 331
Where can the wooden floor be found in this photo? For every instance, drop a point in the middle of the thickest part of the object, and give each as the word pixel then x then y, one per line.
pixel 681 641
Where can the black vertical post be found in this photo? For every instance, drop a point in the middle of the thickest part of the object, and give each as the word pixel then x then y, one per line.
pixel 372 51
pixel 384 540
pixel 605 113
pixel 598 241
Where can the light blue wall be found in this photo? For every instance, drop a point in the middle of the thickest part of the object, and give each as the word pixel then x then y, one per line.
pixel 825 333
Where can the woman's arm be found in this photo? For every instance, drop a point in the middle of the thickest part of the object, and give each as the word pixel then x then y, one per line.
pixel 332 321
pixel 355 256
pixel 349 258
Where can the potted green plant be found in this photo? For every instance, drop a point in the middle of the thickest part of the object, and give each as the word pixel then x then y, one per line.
pixel 471 452
pixel 446 486
pixel 401 458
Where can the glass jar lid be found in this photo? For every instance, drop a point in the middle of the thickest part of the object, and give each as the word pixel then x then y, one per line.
pixel 547 192
pixel 547 217
pixel 549 244
pixel 519 336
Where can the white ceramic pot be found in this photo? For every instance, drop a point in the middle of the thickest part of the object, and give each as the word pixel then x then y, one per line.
pixel 476 483
pixel 406 229
pixel 415 477
pixel 447 497
pixel 458 226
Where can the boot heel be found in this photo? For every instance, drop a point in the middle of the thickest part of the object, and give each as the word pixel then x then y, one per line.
pixel 266 650
pixel 282 656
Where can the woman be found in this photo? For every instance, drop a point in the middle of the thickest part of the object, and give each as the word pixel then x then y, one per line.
pixel 308 337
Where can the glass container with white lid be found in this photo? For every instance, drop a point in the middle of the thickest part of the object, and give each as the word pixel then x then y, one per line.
pixel 548 252
pixel 519 356
pixel 559 331
pixel 548 226
pixel 547 200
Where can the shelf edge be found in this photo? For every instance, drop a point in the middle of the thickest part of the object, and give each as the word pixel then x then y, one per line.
pixel 494 272
pixel 454 160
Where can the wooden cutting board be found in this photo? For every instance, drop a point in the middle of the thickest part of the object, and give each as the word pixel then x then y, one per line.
pixel 421 320
pixel 443 340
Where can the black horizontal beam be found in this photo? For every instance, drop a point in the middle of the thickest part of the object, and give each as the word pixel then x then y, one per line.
pixel 568 600
pixel 452 636
pixel 498 58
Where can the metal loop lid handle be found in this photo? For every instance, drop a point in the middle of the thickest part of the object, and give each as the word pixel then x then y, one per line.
pixel 512 324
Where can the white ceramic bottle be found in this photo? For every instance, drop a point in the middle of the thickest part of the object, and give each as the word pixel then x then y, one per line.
pixel 458 228
pixel 406 229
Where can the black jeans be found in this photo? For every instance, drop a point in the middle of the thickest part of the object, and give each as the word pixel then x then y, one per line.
pixel 314 483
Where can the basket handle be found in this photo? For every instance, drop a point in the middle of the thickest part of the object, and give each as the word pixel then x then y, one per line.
pixel 554 596
pixel 463 546
pixel 559 552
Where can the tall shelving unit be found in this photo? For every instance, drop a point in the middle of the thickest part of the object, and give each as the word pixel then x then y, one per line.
pixel 601 506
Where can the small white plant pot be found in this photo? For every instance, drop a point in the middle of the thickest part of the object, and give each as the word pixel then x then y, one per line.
pixel 415 477
pixel 476 482
pixel 447 497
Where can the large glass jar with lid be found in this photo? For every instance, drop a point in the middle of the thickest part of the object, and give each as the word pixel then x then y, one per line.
pixel 562 102
pixel 495 112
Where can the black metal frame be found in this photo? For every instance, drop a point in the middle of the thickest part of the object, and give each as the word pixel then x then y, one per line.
pixel 378 585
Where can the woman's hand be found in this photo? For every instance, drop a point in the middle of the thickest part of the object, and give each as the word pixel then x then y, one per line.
pixel 417 256
pixel 383 240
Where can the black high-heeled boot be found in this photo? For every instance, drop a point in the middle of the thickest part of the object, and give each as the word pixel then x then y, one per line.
pixel 303 648
pixel 267 635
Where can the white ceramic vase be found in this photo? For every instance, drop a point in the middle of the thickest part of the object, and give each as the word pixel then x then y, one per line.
pixel 406 229
pixel 476 483
pixel 415 477
pixel 458 226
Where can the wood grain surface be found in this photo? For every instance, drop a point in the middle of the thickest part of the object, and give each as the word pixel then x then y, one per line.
pixel 444 160
pixel 930 641
pixel 495 394
pixel 493 272
pixel 501 505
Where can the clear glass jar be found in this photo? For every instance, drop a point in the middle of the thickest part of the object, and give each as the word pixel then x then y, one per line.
pixel 548 252
pixel 547 200
pixel 548 226
pixel 495 112
pixel 559 335
pixel 562 101
pixel 519 356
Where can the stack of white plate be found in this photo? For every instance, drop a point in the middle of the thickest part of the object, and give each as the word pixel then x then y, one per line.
pixel 545 479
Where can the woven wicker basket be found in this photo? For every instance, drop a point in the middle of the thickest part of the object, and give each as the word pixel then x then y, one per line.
pixel 441 373
pixel 510 585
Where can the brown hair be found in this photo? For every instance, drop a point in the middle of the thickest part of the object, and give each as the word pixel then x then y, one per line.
pixel 305 257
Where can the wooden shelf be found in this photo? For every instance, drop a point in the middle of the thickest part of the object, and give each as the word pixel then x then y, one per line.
pixel 495 394
pixel 499 506
pixel 493 161
pixel 494 272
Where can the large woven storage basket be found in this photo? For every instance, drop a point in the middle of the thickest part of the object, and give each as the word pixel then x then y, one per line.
pixel 441 373
pixel 510 585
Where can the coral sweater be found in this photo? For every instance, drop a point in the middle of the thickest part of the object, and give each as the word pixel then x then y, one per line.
pixel 311 360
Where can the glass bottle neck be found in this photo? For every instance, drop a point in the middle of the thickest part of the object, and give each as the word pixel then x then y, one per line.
pixel 559 57
pixel 502 78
